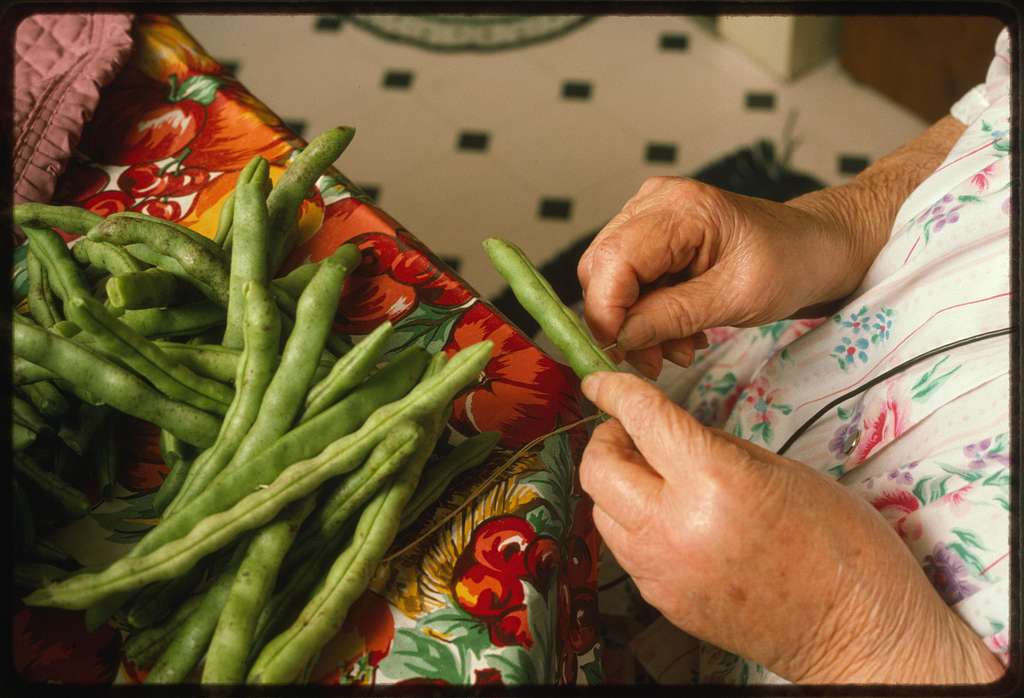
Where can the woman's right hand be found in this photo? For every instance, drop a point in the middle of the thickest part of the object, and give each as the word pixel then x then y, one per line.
pixel 743 262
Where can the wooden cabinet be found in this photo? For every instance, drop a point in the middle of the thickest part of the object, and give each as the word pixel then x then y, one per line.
pixel 925 62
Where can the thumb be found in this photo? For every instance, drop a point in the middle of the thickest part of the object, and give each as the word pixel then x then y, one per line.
pixel 675 312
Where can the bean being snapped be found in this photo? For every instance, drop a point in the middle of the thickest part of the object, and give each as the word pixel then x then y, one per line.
pixel 293 454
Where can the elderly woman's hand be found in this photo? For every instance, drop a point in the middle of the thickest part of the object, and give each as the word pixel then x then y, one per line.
pixel 762 556
pixel 744 261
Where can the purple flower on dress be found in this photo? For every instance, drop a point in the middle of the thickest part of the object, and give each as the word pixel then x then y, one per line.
pixel 901 477
pixel 978 455
pixel 948 574
pixel 839 444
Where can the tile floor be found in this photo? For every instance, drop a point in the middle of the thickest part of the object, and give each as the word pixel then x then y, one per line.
pixel 541 144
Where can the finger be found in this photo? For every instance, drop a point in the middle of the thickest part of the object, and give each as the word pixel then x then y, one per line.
pixel 676 311
pixel 637 252
pixel 647 361
pixel 583 268
pixel 664 434
pixel 682 351
pixel 618 479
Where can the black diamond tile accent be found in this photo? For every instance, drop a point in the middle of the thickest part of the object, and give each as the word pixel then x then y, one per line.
pixel 454 262
pixel 576 89
pixel 760 100
pixel 661 153
pixel 371 190
pixel 296 126
pixel 675 42
pixel 474 141
pixel 230 67
pixel 555 209
pixel 852 164
pixel 328 23
pixel 398 79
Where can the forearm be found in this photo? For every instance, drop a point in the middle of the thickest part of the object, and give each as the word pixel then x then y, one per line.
pixel 861 213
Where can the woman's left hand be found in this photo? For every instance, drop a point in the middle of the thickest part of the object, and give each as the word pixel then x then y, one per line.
pixel 761 555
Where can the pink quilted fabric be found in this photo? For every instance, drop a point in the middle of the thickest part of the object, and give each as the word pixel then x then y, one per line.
pixel 61 62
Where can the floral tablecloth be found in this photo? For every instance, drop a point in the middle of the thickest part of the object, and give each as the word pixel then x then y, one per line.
pixel 506 591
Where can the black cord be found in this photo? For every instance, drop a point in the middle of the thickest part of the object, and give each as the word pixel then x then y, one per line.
pixel 888 374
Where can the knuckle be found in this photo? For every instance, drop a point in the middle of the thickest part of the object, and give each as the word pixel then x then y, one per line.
pixel 679 315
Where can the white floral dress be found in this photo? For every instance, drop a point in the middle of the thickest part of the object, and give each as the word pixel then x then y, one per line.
pixel 929 447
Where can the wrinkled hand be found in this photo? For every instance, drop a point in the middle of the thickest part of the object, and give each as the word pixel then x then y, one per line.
pixel 762 556
pixel 745 262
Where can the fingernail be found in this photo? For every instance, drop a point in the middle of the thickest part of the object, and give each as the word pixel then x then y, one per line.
pixel 702 341
pixel 633 334
pixel 680 358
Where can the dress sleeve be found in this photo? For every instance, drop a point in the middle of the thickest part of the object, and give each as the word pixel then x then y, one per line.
pixel 996 85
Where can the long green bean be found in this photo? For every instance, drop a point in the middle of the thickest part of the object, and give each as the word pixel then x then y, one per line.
pixel 46 398
pixel 41 302
pixel 94 378
pixel 114 259
pixel 144 647
pixel 70 500
pixel 539 299
pixel 348 372
pixel 188 319
pixel 225 659
pixel 152 288
pixel 250 247
pixel 71 219
pixel 302 173
pixel 254 373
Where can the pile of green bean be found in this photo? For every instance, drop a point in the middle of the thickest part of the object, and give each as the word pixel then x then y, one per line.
pixel 295 458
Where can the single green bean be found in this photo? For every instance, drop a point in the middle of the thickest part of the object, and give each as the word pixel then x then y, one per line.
pixel 466 456
pixel 178 458
pixel 198 238
pixel 62 272
pixel 249 251
pixel 336 343
pixel 70 500
pixel 141 354
pixel 26 372
pixel 231 643
pixel 152 288
pixel 46 398
pixel 25 414
pixel 24 521
pixel 301 175
pixel 348 372
pixel 144 647
pixel 182 320
pixel 202 264
pixel 94 378
pixel 287 390
pixel 193 636
pixel 70 219
pixel 218 362
pixel 287 600
pixel 66 329
pixel 294 282
pixel 285 656
pixel 164 552
pixel 41 302
pixel 21 437
pixel 254 374
pixel 225 219
pixel 113 259
pixel 537 297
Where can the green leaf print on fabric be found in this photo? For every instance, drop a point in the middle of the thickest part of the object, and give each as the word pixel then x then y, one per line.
pixel 969 558
pixel 928 383
pixel 968 538
pixel 928 489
